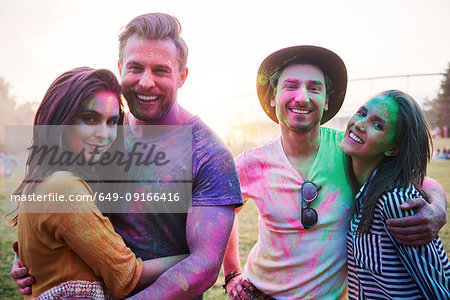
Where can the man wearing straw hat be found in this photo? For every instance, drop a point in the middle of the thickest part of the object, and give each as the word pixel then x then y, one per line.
pixel 300 186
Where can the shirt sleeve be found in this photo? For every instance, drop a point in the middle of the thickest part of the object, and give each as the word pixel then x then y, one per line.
pixel 215 180
pixel 428 264
pixel 91 235
pixel 240 166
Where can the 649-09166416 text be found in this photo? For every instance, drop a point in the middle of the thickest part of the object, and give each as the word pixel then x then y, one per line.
pixel 143 197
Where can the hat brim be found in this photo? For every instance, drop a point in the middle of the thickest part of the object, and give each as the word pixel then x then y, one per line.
pixel 328 61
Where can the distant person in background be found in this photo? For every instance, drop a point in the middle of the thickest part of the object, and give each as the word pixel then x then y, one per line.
pixel 389 145
pixel 9 164
pixel 436 153
pixel 436 132
pixel 441 154
pixel 445 153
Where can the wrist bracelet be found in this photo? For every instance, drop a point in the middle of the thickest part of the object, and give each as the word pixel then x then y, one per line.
pixel 229 277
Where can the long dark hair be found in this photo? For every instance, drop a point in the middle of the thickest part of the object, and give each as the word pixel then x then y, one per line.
pixel 65 97
pixel 409 165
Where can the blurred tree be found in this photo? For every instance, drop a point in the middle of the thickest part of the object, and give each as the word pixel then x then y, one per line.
pixel 438 112
pixel 11 112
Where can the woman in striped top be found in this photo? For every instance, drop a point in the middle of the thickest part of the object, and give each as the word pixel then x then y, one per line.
pixel 389 146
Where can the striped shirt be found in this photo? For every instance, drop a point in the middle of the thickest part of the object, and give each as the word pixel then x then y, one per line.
pixel 381 268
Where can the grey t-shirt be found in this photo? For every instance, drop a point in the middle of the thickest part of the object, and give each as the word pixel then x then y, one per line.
pixel 206 166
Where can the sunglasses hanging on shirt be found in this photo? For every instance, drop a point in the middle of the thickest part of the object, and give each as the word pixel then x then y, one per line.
pixel 308 193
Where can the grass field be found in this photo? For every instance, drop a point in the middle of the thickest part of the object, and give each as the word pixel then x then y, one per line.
pixel 439 170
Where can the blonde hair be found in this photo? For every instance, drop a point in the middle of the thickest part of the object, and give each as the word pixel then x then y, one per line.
pixel 155 26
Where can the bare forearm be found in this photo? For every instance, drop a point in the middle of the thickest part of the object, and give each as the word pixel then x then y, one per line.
pixel 207 241
pixel 186 280
pixel 154 268
pixel 231 260
pixel 435 192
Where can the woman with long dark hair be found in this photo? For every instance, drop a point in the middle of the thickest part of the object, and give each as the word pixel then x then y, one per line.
pixel 389 145
pixel 70 248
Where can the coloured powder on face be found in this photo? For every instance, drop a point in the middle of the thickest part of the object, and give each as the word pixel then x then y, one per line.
pixel 91 104
pixel 291 79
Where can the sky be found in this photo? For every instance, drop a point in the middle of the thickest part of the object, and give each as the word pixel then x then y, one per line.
pixel 227 41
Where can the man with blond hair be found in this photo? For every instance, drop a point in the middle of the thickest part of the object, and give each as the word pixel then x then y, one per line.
pixel 152 65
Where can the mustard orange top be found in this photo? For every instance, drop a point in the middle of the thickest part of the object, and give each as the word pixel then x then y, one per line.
pixel 80 244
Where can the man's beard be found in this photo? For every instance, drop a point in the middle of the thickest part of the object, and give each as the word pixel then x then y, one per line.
pixel 140 113
pixel 165 109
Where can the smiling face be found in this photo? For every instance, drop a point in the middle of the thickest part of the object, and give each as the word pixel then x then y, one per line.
pixel 150 76
pixel 300 97
pixel 94 127
pixel 370 132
